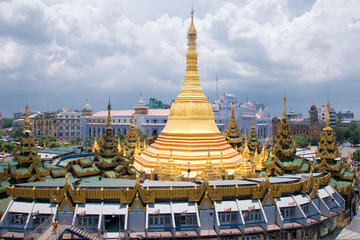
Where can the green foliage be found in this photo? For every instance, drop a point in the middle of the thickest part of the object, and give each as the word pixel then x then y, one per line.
pixel 8 147
pixel 350 132
pixel 356 156
pixel 17 133
pixel 48 141
pixel 119 135
pixel 302 141
pixel 141 135
pixel 75 141
pixel 6 123
pixel 2 132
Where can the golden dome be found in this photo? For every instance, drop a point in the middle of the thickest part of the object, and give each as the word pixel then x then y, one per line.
pixel 191 130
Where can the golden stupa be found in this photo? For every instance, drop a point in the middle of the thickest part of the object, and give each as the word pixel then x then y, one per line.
pixel 191 131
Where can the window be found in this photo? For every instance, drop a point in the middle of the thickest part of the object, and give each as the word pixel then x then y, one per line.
pixel 228 217
pixel 185 219
pixel 252 215
pixel 287 212
pixel 305 208
pixel 159 219
pixel 88 220
pixel 39 219
pixel 18 218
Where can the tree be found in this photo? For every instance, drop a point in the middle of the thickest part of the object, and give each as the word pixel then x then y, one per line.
pixel 6 123
pixel 75 141
pixel 48 141
pixel 7 147
pixel 141 134
pixel 355 136
pixel 17 133
pixel 356 156
pixel 302 141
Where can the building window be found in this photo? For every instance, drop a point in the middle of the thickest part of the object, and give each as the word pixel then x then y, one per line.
pixel 305 208
pixel 250 216
pixel 287 212
pixel 227 217
pixel 185 219
pixel 88 220
pixel 18 218
pixel 159 219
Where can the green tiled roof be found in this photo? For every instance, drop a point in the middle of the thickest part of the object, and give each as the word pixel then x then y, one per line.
pixel 107 183
pixel 54 183
pixel 59 150
pixel 78 168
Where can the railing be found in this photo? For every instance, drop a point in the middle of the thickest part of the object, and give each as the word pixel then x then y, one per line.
pixel 35 233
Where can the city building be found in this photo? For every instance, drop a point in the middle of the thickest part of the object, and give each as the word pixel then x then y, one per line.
pixel 311 126
pixel 67 124
pixel 244 114
pixel 322 114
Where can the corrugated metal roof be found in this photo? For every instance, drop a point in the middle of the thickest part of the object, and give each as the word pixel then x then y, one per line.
pixel 247 203
pixel 228 206
pixel 48 183
pixel 21 207
pixel 230 182
pixel 167 184
pixel 182 207
pixel 114 208
pixel 45 208
pixel 158 208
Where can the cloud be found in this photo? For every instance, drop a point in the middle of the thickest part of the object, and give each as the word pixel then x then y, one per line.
pixel 66 51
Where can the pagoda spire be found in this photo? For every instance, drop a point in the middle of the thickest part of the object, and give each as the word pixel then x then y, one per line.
pixel 284 108
pixel 191 88
pixel 26 120
pixel 232 133
pixel 109 115
pixel 328 116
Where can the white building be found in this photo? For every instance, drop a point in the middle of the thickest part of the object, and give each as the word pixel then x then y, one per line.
pixel 244 113
pixel 68 124
pixel 322 114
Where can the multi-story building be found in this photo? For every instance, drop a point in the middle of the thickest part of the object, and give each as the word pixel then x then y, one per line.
pixel 322 114
pixel 244 114
pixel 149 121
pixel 68 124
pixel 152 121
pixel 43 123
pixel 345 115
pixel 311 126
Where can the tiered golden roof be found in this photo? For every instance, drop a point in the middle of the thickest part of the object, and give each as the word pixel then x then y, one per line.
pixel 245 169
pixel 191 129
pixel 253 142
pixel 284 141
pixel 131 141
pixel 233 134
pixel 208 172
pixel 29 167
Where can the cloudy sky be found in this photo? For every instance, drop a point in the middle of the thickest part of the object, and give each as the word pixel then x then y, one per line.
pixel 56 53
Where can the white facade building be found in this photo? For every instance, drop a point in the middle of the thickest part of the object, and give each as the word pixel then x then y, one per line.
pixel 244 113
pixel 68 124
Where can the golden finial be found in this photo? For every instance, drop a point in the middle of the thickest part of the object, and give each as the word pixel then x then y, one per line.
pixel 124 152
pixel 252 122
pixel 119 145
pixel 246 151
pixel 95 146
pixel 144 144
pixel 26 120
pixel 109 115
pixel 284 108
pixel 328 114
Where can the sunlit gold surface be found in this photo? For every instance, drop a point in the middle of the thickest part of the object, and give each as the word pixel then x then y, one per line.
pixel 191 130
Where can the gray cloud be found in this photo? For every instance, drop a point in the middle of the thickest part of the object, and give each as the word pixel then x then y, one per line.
pixel 55 53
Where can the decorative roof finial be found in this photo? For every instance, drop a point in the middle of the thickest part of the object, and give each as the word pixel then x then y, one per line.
pixel 109 115
pixel 328 114
pixel 26 120
pixel 284 108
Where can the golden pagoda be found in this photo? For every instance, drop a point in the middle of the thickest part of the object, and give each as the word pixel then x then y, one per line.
pixel 131 141
pixel 245 168
pixel 208 172
pixel 29 168
pixel 253 142
pixel 343 177
pixel 191 129
pixel 233 134
pixel 171 172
